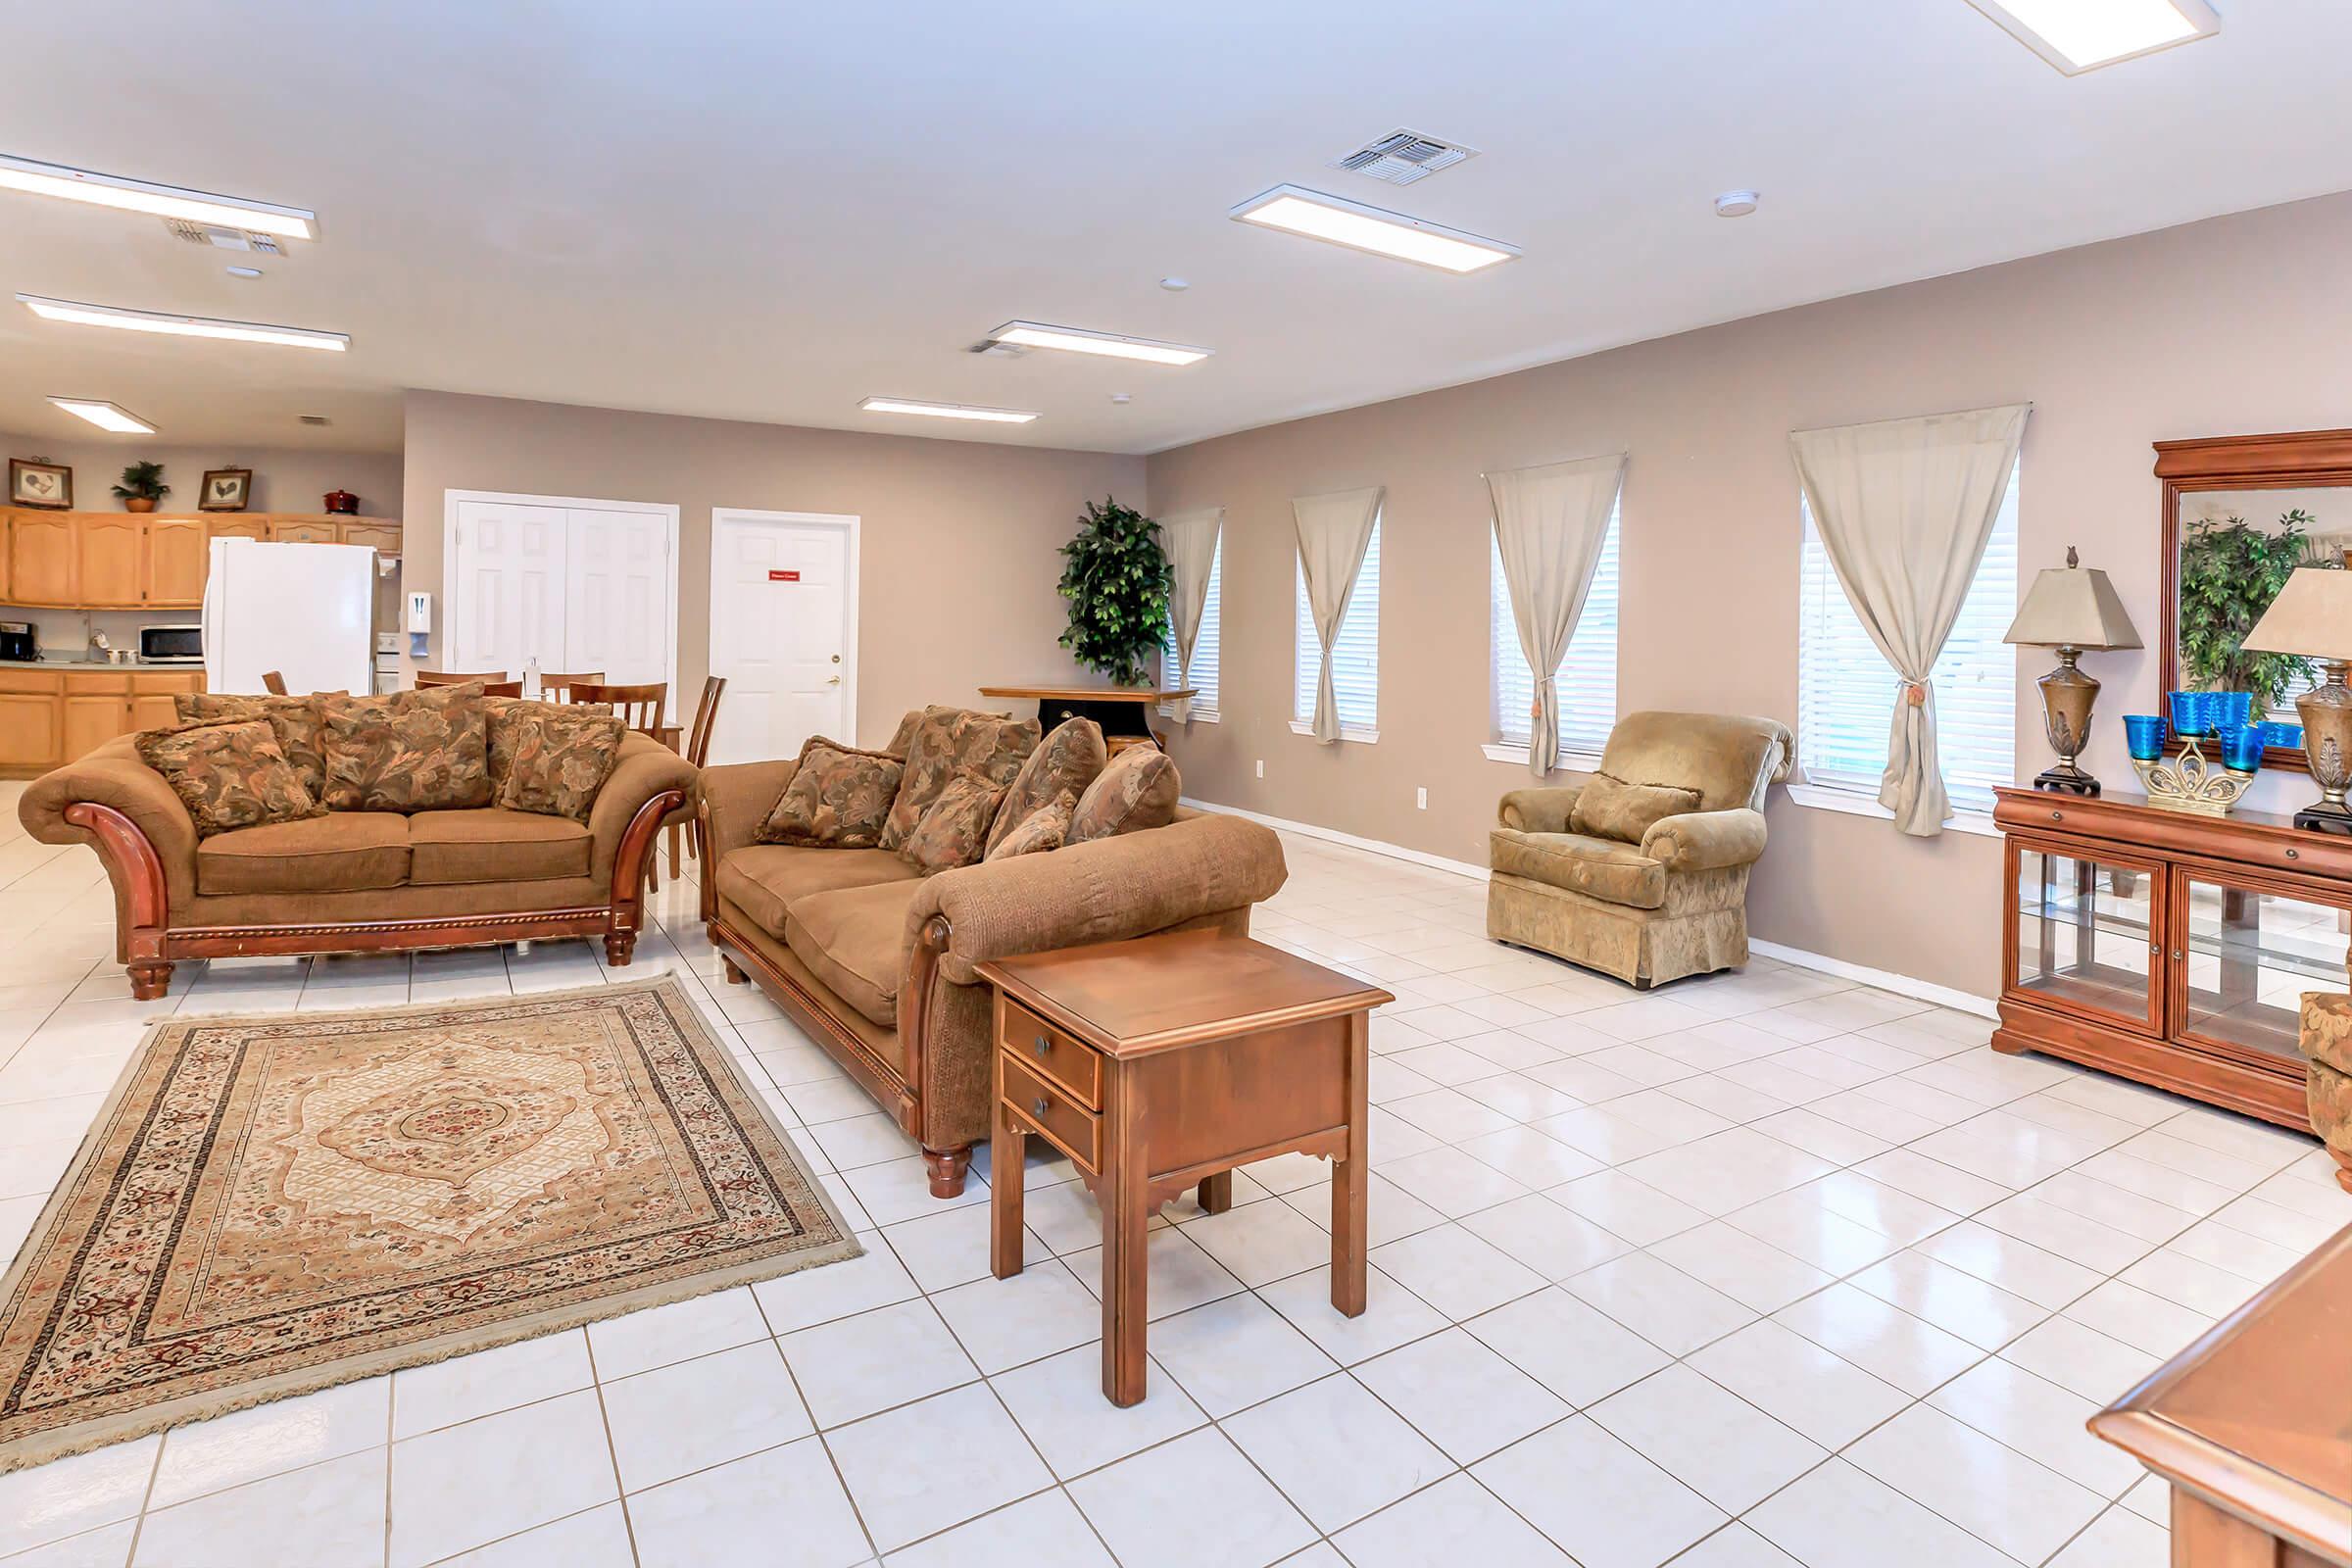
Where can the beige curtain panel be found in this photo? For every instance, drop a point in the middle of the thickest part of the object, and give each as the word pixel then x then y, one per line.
pixel 1190 540
pixel 1334 532
pixel 1903 507
pixel 1549 523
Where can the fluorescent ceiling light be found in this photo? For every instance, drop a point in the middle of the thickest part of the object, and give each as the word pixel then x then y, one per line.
pixel 165 201
pixel 946 410
pixel 1032 335
pixel 296 337
pixel 2079 35
pixel 105 415
pixel 1359 228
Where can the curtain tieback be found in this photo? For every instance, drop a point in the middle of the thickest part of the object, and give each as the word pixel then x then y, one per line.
pixel 1914 692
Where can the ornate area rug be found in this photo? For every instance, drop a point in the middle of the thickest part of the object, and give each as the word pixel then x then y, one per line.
pixel 268 1205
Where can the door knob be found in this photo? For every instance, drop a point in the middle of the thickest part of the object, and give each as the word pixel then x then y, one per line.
pixel 833 680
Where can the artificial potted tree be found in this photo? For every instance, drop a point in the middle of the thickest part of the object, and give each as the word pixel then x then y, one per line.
pixel 142 487
pixel 1117 583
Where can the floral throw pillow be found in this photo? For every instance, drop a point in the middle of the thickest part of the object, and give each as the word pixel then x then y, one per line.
pixel 1137 790
pixel 294 720
pixel 562 756
pixel 1045 828
pixel 415 750
pixel 502 722
pixel 949 743
pixel 953 830
pixel 839 796
pixel 1064 763
pixel 229 775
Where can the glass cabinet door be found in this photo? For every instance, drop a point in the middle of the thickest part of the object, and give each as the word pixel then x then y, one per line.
pixel 2086 933
pixel 2249 956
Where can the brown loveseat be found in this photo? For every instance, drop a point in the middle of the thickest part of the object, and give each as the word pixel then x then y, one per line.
pixel 874 959
pixel 356 881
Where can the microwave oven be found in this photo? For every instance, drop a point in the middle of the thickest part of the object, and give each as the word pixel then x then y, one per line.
pixel 172 645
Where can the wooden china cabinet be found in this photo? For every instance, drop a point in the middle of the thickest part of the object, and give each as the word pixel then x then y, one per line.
pixel 2169 946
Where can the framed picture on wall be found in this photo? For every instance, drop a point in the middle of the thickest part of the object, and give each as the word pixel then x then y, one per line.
pixel 226 490
pixel 35 483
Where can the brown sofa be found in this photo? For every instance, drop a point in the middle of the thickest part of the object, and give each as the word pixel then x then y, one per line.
pixel 356 881
pixel 874 959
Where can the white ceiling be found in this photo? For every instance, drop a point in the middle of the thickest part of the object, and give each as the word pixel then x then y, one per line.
pixel 768 212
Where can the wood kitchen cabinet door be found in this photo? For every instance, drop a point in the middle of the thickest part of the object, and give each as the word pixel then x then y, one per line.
pixel 41 560
pixel 238 528
pixel 374 536
pixel 290 532
pixel 151 694
pixel 107 559
pixel 27 730
pixel 178 554
pixel 90 721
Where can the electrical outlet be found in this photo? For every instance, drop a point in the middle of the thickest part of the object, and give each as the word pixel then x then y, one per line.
pixel 1421 799
pixel 1261 767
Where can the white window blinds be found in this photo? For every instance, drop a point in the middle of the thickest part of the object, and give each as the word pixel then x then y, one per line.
pixel 1354 653
pixel 1847 691
pixel 1203 674
pixel 1587 674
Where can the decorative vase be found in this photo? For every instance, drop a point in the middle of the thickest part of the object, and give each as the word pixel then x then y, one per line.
pixel 138 503
pixel 342 503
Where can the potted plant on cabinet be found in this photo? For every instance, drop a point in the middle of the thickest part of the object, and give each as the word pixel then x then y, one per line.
pixel 142 487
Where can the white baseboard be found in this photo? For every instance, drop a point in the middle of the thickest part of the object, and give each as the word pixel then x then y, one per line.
pixel 1902 985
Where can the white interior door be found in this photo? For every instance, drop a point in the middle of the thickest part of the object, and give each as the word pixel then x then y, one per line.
pixel 617 596
pixel 783 631
pixel 506 585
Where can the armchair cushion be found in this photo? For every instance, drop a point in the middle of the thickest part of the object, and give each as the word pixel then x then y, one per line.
pixel 1600 868
pixel 1544 808
pixel 1706 841
pixel 765 879
pixel 1611 808
pixel 1728 759
pixel 494 845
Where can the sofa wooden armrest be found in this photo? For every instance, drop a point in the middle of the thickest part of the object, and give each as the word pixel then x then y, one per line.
pixel 1706 841
pixel 1539 809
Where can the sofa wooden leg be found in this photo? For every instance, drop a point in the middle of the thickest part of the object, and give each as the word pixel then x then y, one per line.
pixel 620 947
pixel 1216 1192
pixel 947 1168
pixel 734 973
pixel 150 979
pixel 2343 1167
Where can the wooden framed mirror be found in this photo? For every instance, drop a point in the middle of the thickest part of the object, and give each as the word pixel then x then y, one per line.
pixel 2298 483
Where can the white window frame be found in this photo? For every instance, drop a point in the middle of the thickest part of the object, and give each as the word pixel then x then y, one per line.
pixel 1362 620
pixel 1207 646
pixel 1825 620
pixel 1590 665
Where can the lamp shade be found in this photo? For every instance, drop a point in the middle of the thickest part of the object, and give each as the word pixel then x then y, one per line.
pixel 2072 607
pixel 2312 617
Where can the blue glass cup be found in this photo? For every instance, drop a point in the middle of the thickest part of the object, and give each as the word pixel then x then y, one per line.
pixel 2227 711
pixel 2192 716
pixel 2143 733
pixel 2242 748
pixel 2290 736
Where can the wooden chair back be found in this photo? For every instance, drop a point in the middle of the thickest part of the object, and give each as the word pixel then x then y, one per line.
pixel 639 707
pixel 273 683
pixel 557 688
pixel 451 677
pixel 706 719
pixel 501 688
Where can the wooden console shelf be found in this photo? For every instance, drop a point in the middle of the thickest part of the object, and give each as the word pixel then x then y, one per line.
pixel 2167 947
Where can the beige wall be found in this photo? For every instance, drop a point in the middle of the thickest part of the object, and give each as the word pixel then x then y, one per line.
pixel 957 540
pixel 284 478
pixel 2234 325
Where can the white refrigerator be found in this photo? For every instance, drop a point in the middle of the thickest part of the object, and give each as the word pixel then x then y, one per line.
pixel 304 610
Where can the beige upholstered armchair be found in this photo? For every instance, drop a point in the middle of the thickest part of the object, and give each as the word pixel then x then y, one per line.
pixel 1640 871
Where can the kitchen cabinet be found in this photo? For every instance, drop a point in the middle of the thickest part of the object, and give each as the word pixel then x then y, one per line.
pixel 106 561
pixel 241 527
pixel 40 557
pixel 309 532
pixel 129 561
pixel 378 537
pixel 51 716
pixel 178 554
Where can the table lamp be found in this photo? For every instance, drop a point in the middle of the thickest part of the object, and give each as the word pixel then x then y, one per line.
pixel 2070 608
pixel 2313 617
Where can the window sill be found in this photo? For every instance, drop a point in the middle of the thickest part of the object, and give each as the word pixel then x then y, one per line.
pixel 1569 762
pixel 1822 798
pixel 1347 732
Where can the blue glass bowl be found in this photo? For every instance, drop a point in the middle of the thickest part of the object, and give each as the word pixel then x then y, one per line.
pixel 2143 733
pixel 2192 713
pixel 2242 748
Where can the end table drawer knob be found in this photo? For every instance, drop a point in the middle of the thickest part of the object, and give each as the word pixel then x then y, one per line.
pixel 1044 1047
pixel 1038 1105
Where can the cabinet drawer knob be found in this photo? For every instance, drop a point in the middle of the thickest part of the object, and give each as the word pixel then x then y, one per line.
pixel 1044 1047
pixel 2177 955
pixel 1038 1105
pixel 2295 855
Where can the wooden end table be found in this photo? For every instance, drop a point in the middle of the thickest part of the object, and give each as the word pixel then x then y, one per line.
pixel 2252 1425
pixel 1160 1064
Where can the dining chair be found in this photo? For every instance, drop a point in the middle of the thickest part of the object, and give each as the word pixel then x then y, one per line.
pixel 557 688
pixel 273 683
pixel 451 677
pixel 501 688
pixel 698 751
pixel 639 707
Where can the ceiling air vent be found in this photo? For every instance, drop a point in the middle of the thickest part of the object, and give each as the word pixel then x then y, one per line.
pixel 226 239
pixel 1403 156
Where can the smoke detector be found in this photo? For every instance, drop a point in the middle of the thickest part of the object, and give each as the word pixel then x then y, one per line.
pixel 226 239
pixel 1403 156
pixel 1736 203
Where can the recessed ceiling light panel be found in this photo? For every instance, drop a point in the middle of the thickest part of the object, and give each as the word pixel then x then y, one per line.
pixel 1340 221
pixel 946 410
pixel 105 415
pixel 165 201
pixel 295 337
pixel 2079 35
pixel 1111 344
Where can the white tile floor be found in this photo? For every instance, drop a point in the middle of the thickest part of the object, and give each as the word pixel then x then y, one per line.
pixel 1764 1269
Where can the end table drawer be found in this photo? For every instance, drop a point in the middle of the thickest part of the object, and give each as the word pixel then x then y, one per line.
pixel 1051 1053
pixel 1048 1108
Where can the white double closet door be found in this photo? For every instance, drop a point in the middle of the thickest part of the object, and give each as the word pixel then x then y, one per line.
pixel 575 585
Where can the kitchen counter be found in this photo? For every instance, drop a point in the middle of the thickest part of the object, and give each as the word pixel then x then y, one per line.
pixel 70 661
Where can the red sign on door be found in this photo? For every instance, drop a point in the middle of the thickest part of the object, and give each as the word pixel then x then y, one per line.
pixel 783 576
